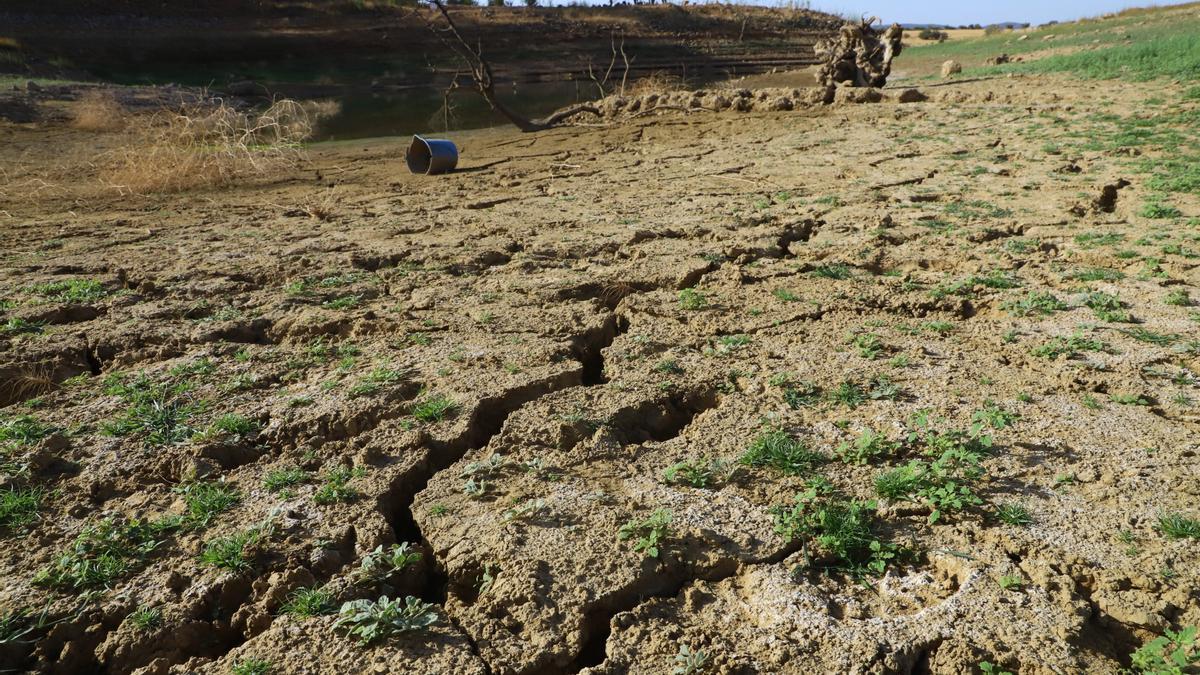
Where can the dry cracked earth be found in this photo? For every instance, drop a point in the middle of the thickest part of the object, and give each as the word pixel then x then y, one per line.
pixel 624 389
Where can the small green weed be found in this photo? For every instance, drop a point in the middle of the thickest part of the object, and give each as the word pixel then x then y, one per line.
pixel 304 603
pixel 250 666
pixel 1034 304
pixel 105 552
pixel 1069 347
pixel 1013 514
pixel 146 619
pixel 1172 653
pixel 692 300
pixel 235 552
pixel 837 533
pixel 434 409
pixel 336 487
pixel 867 448
pixel 206 500
pixel 1178 526
pixel 19 507
pixel 648 534
pixel 77 291
pixel 699 472
pixel 278 480
pixel 776 449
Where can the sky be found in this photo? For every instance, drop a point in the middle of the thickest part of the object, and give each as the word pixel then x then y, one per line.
pixel 960 12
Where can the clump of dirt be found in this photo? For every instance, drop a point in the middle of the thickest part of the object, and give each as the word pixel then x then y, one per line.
pixel 731 393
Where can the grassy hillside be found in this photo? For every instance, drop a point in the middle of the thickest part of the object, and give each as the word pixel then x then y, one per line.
pixel 1139 44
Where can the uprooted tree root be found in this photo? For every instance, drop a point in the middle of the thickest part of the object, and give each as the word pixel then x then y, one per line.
pixel 859 55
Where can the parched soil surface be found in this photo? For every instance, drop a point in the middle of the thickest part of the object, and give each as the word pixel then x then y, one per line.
pixel 500 365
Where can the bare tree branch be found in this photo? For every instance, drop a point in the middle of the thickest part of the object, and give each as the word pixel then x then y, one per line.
pixel 481 73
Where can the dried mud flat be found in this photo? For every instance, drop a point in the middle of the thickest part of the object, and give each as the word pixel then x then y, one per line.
pixel 500 365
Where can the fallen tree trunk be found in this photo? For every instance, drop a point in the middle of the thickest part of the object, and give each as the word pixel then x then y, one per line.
pixel 859 55
pixel 481 74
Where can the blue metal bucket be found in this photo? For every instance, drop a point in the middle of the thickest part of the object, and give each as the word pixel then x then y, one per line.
pixel 431 156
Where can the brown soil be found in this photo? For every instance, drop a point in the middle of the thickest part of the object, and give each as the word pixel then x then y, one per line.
pixel 538 288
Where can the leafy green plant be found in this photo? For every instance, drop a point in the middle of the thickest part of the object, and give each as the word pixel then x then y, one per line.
pixel 689 661
pixel 1069 347
pixel 869 345
pixel 991 415
pixel 698 472
pixel 1094 239
pixel 944 484
pixel 837 533
pixel 668 366
pixel 1172 653
pixel 849 394
pixel 1157 210
pixel 375 380
pixel 371 620
pixel 380 564
pixel 647 534
pixel 1179 298
pixel 18 326
pixel 996 279
pixel 20 626
pixel 1148 336
pixel 1095 274
pixel 868 447
pixel 1034 304
pixel 234 425
pixel 1011 581
pixel 801 394
pixel 343 302
pixel 304 603
pixel 776 449
pixel 1107 307
pixel 692 300
pixel 1128 399
pixel 988 668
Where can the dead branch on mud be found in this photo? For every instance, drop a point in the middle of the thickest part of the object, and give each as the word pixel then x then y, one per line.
pixel 859 55
pixel 481 73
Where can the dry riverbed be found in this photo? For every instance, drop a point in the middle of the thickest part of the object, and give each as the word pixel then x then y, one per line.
pixel 854 388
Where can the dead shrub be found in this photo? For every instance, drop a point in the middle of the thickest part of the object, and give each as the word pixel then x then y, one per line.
pixel 98 110
pixel 656 82
pixel 210 145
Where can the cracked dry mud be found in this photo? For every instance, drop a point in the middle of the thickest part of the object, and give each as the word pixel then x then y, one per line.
pixel 538 289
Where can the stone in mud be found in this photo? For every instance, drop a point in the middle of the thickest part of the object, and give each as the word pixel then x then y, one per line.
pixel 911 96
